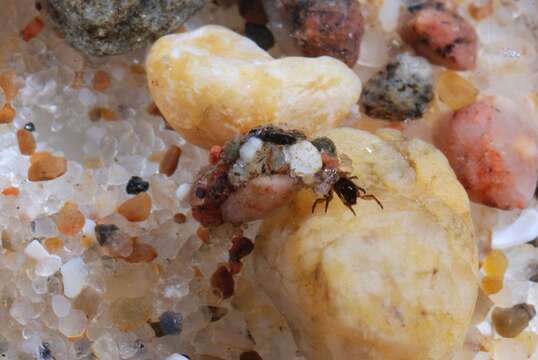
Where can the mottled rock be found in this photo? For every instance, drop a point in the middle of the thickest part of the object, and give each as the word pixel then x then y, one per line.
pixel 437 32
pixel 212 84
pixel 400 91
pixel 398 283
pixel 493 148
pixel 104 27
pixel 326 27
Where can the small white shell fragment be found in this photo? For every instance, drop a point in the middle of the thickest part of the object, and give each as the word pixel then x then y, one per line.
pixel 524 229
pixel 60 305
pixel 36 251
pixel 177 357
pixel 75 275
pixel 250 148
pixel 48 266
pixel 304 159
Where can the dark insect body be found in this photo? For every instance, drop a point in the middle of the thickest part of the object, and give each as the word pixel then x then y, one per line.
pixel 348 192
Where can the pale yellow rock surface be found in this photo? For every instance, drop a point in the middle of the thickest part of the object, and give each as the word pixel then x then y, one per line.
pixel 212 83
pixel 398 283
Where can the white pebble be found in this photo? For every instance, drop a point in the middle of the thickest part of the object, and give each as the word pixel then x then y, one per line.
pixel 36 251
pixel 250 148
pixel 524 229
pixel 74 324
pixel 182 191
pixel 87 97
pixel 177 357
pixel 304 159
pixel 61 305
pixel 48 266
pixel 75 276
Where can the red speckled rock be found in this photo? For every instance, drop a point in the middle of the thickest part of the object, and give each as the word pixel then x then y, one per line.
pixel 493 151
pixel 442 36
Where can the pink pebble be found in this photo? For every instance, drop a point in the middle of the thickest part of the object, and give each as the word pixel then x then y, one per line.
pixel 494 151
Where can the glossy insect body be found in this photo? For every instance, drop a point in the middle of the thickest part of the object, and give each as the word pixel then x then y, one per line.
pixel 348 192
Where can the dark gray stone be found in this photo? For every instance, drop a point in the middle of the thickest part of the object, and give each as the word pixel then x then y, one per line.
pixel 400 91
pixel 110 27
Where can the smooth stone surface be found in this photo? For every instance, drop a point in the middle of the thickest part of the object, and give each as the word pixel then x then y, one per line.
pixel 105 27
pixel 398 283
pixel 212 84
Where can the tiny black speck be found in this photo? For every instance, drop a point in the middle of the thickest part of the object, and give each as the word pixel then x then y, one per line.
pixel 136 185
pixel 260 34
pixel 29 126
pixel 200 193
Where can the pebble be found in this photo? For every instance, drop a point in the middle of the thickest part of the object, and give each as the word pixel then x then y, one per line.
pixel 136 185
pixel 60 305
pixel 248 151
pixel 455 91
pixel 36 251
pixel 54 244
pixel 304 159
pixel 326 28
pixel 116 243
pixel 510 322
pixel 377 258
pixel 180 218
pixel 74 324
pixel 101 81
pixel 223 282
pixel 7 114
pixel 29 126
pixel 260 34
pixel 241 247
pixel 137 208
pixel 141 252
pixel 170 323
pixel 101 28
pixel 11 191
pixel 45 166
pixel 26 142
pixel 48 266
pixel 442 36
pixel 170 160
pixel 98 113
pixel 75 276
pixel 401 91
pixel 130 314
pixel 493 149
pixel 70 220
pixel 260 89
pixel 33 28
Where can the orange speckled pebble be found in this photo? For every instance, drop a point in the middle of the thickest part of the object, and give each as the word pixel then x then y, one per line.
pixel 45 166
pixel 26 142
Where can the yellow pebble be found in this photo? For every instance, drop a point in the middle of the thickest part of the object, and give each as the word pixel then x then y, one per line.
pixel 455 91
pixel 491 284
pixel 495 264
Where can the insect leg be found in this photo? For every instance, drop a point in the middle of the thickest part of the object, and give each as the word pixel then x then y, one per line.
pixel 371 197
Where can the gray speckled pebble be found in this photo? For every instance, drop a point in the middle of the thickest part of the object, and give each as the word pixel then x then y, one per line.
pixel 400 91
pixel 110 27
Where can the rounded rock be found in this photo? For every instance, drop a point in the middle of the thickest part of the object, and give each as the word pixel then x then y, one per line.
pixel 398 283
pixel 493 148
pixel 401 91
pixel 103 27
pixel 212 84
